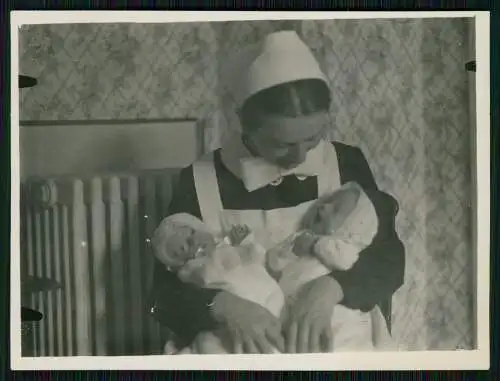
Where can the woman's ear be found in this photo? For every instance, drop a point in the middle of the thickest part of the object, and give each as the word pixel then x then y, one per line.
pixel 247 122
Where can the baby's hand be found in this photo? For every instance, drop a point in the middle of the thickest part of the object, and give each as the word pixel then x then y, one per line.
pixel 304 244
pixel 238 233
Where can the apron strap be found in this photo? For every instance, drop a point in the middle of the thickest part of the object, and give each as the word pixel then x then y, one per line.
pixel 329 177
pixel 207 191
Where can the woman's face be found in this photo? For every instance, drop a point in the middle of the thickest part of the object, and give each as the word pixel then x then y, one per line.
pixel 285 144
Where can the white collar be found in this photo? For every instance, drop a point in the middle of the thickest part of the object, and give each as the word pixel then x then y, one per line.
pixel 255 172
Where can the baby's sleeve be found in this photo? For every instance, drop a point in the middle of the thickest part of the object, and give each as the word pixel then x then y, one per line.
pixel 336 254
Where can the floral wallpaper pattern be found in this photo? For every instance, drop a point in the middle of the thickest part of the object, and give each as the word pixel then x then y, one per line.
pixel 399 93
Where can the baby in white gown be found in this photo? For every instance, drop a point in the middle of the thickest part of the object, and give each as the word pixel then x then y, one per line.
pixel 332 233
pixel 233 263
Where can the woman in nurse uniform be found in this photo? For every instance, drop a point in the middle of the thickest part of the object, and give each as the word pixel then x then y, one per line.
pixel 266 178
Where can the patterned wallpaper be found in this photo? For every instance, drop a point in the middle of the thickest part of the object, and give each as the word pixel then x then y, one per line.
pixel 399 93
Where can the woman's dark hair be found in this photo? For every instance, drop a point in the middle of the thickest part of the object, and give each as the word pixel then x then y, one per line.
pixel 290 99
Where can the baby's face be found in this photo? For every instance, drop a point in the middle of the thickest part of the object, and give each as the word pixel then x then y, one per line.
pixel 333 213
pixel 187 244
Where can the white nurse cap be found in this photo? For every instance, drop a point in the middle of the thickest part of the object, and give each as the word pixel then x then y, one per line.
pixel 280 58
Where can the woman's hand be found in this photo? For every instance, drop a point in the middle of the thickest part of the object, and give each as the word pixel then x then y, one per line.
pixel 308 328
pixel 252 328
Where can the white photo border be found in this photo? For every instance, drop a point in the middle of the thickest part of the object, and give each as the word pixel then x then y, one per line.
pixel 420 360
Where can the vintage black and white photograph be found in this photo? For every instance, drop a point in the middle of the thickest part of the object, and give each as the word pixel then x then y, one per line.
pixel 254 186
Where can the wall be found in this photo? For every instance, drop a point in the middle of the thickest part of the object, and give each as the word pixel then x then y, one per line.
pixel 399 93
pixel 108 147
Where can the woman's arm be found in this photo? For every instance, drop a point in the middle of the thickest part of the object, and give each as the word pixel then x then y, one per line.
pixel 182 308
pixel 379 272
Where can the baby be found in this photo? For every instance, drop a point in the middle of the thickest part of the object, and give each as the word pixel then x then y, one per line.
pixel 233 263
pixel 331 234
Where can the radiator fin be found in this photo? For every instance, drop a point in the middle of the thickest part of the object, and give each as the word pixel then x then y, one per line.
pixel 93 238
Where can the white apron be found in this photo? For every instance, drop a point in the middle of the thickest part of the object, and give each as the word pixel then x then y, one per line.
pixel 271 227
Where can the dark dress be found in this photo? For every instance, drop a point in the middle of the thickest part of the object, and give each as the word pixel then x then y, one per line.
pixel 378 273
